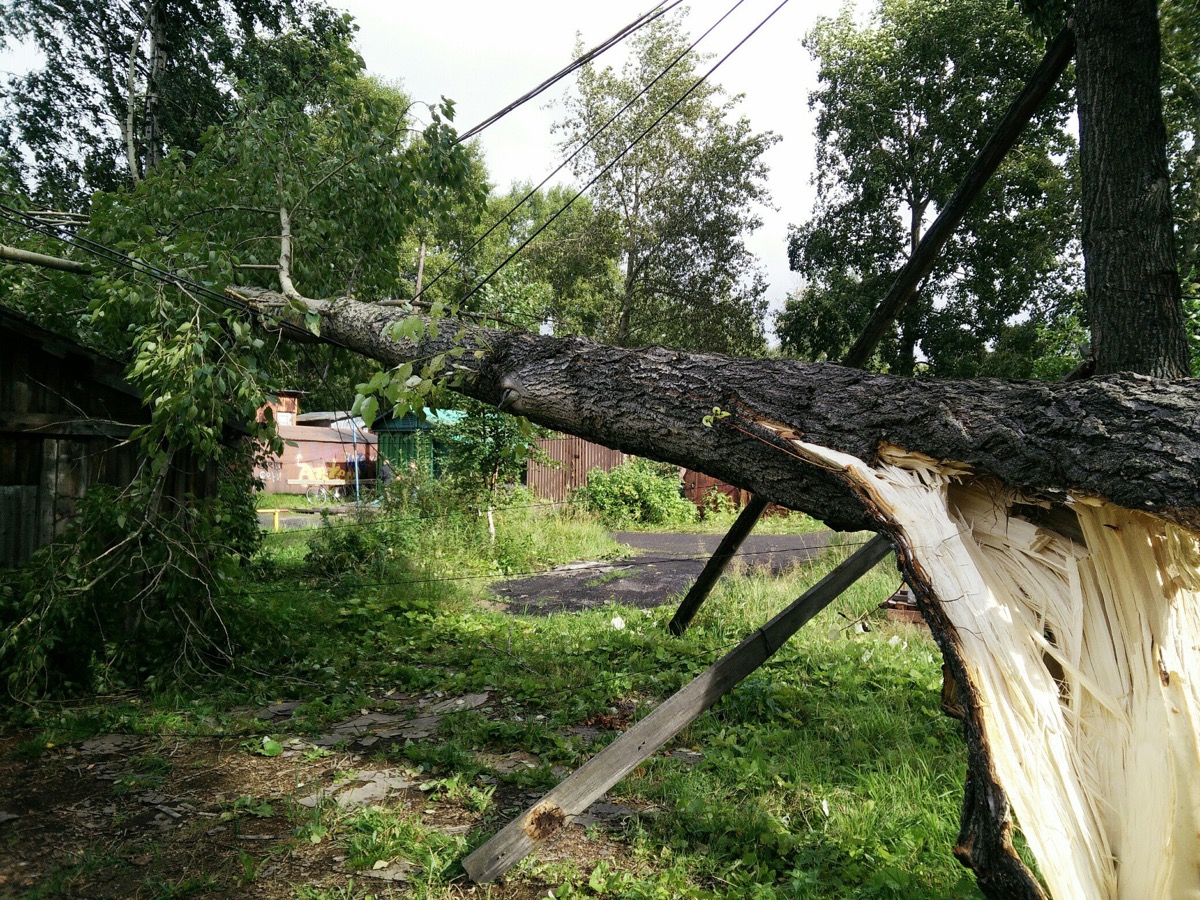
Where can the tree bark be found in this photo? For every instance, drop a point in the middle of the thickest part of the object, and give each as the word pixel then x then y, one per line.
pixel 1127 439
pixel 1128 245
pixel 156 64
pixel 1050 531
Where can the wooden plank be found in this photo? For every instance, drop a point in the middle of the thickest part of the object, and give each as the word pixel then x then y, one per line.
pixel 584 786
pixel 48 493
pixel 715 567
pixel 60 425
pixel 18 523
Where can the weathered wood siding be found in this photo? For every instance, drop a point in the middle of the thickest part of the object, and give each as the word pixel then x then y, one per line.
pixel 571 459
pixel 65 417
pixel 314 456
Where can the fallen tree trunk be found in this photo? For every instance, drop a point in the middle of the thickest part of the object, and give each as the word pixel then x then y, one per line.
pixel 1051 533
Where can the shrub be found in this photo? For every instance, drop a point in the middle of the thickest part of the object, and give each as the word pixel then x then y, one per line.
pixel 718 507
pixel 136 586
pixel 640 492
pixel 338 549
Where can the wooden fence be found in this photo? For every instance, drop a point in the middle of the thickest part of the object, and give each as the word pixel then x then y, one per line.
pixel 569 461
pixel 697 486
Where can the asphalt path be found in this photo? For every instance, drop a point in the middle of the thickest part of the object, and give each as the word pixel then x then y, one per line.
pixel 660 569
pixel 664 567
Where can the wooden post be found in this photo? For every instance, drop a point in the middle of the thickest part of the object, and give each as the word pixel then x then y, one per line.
pixel 715 567
pixel 584 786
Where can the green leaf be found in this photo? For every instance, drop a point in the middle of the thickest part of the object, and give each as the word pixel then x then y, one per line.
pixel 312 321
pixel 270 747
pixel 368 410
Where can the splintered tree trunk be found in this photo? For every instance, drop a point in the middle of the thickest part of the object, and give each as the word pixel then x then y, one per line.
pixel 1051 533
pixel 1073 626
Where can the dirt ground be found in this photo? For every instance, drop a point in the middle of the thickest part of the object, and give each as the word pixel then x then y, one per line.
pixel 124 816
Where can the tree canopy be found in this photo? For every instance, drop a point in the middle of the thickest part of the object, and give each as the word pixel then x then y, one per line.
pixel 903 106
pixel 313 180
pixel 683 191
pixel 124 83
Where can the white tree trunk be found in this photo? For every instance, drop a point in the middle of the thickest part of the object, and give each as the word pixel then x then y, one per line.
pixel 1081 649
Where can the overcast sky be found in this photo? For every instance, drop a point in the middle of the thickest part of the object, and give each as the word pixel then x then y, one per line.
pixel 483 55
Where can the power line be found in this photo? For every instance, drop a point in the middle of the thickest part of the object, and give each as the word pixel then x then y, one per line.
pixel 426 518
pixel 569 159
pixel 529 700
pixel 632 563
pixel 604 171
pixel 644 19
pixel 102 251
pixel 423 518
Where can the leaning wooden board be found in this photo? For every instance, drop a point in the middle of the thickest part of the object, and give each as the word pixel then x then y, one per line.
pixel 584 786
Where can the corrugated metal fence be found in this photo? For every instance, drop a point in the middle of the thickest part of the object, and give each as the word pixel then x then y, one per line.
pixel 571 459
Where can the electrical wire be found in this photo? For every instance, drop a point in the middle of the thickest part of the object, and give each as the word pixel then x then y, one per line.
pixel 32 223
pixel 426 518
pixel 601 48
pixel 16 216
pixel 433 517
pixel 102 251
pixel 628 564
pixel 605 170
pixel 528 700
pixel 457 261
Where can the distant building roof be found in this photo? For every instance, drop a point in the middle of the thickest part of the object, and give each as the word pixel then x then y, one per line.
pixel 411 422
pixel 325 417
pixel 324 435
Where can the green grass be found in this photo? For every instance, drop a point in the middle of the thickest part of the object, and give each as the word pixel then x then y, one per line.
pixel 719 522
pixel 830 772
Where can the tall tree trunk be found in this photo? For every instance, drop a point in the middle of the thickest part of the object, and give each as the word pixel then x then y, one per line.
pixel 1128 245
pixel 156 63
pixel 627 295
pixel 1051 533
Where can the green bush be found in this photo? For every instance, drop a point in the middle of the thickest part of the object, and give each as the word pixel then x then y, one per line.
pixel 339 549
pixel 640 492
pixel 718 508
pixel 135 587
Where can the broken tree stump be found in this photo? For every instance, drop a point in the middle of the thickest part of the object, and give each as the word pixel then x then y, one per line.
pixel 582 788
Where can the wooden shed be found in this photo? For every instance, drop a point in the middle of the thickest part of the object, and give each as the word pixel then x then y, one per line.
pixel 66 413
pixel 406 442
pixel 317 457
